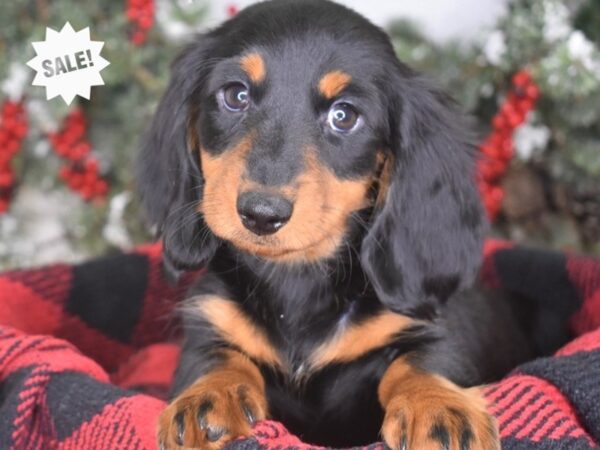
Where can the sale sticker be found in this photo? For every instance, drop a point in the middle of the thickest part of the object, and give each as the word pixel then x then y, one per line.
pixel 68 63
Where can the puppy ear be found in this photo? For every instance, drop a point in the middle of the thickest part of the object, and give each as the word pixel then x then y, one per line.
pixel 425 241
pixel 168 174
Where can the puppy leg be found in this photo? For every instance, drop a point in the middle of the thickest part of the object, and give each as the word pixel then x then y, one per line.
pixel 428 412
pixel 219 407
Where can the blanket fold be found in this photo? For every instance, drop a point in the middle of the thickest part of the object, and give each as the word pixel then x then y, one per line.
pixel 87 353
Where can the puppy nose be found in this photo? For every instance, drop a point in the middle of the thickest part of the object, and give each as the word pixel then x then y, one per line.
pixel 263 213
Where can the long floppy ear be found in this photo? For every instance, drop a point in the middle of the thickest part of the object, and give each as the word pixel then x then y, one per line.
pixel 425 241
pixel 169 179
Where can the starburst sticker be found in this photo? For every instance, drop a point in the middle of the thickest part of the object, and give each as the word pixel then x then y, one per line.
pixel 68 63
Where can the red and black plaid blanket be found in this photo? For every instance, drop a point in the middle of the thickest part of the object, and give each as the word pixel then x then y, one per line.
pixel 87 353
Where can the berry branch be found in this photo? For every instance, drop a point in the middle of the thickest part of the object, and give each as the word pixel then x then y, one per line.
pixel 141 16
pixel 13 129
pixel 81 170
pixel 498 148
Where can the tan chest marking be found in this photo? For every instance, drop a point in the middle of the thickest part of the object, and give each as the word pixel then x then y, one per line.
pixel 359 339
pixel 234 326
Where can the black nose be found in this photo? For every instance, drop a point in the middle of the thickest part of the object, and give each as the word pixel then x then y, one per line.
pixel 263 213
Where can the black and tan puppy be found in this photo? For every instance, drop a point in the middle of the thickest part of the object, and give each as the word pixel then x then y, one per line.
pixel 330 192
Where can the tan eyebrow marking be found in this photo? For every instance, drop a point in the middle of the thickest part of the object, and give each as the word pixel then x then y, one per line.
pixel 254 66
pixel 332 83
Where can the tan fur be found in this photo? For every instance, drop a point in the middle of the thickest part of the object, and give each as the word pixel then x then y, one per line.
pixel 322 205
pixel 193 140
pixel 359 339
pixel 332 83
pixel 254 66
pixel 237 329
pixel 416 401
pixel 385 178
pixel 222 176
pixel 221 387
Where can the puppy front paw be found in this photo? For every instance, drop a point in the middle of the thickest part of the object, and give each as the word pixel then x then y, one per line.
pixel 439 417
pixel 215 410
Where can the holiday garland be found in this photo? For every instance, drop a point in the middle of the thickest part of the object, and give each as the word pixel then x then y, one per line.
pixel 13 129
pixel 498 148
pixel 81 170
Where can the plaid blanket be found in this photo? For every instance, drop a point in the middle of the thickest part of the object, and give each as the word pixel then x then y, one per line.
pixel 87 353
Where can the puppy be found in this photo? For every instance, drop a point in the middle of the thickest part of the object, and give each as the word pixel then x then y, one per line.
pixel 330 192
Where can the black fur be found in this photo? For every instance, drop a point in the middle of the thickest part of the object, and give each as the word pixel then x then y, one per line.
pixel 170 180
pixel 417 255
pixel 425 244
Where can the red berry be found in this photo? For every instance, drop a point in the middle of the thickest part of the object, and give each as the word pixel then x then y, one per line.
pixel 521 79
pixel 68 136
pixel 515 118
pixel 84 147
pixel 11 109
pixel 526 105
pixel 487 170
pixel 102 187
pixel 513 98
pixel 232 10
pixel 131 13
pixel 499 121
pixel 89 178
pixel 507 153
pixel 86 192
pixel 145 22
pixel 497 194
pixel 9 123
pixel 21 129
pixel 507 109
pixel 12 146
pixel 6 179
pixel 138 38
pixel 76 181
pixel 91 165
pixel 532 92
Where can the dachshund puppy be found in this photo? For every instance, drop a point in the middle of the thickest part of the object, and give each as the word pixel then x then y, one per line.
pixel 330 192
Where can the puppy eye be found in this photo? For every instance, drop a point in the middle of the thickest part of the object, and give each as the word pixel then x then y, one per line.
pixel 342 117
pixel 236 97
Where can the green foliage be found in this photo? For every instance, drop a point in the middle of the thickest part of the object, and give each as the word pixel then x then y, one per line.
pixel 558 42
pixel 587 20
pixel 117 115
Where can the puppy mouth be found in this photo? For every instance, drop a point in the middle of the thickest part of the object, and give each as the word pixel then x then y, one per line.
pixel 271 247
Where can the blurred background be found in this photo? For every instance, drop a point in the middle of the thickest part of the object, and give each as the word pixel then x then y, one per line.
pixel 527 70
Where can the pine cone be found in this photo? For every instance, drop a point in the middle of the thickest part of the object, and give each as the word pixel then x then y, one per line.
pixel 585 207
pixel 524 196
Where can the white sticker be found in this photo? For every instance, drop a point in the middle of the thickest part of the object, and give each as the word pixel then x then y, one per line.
pixel 68 63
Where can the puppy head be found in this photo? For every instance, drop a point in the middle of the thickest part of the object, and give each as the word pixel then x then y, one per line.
pixel 283 126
